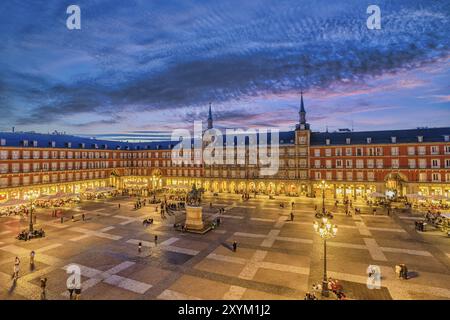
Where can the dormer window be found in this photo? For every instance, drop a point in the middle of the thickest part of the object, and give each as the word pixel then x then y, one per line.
pixel 105 146
pixel 394 139
pixel 82 145
pixel 25 143
pixel 369 140
pixel 68 144
pixel 446 138
pixel 3 142
pixel 327 142
pixel 35 143
pixel 281 141
pixel 420 138
pixel 347 140
pixel 52 144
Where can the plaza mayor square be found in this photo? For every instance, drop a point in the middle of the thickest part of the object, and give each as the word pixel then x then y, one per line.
pixel 224 151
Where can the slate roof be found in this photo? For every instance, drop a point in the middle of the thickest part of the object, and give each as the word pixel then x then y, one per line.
pixel 317 139
pixel 380 137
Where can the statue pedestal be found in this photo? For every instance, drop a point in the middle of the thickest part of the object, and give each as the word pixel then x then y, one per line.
pixel 194 218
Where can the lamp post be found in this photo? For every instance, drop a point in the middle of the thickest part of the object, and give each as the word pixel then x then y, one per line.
pixel 30 226
pixel 326 230
pixel 324 185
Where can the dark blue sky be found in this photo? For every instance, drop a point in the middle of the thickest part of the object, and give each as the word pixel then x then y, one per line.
pixel 155 65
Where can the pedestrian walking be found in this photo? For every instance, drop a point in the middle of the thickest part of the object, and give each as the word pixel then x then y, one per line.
pixel 82 216
pixel 119 205
pixel 73 218
pixel 140 247
pixel 292 216
pixel 43 287
pixel 156 240
pixel 62 219
pixel 234 246
pixel 32 254
pixel 16 268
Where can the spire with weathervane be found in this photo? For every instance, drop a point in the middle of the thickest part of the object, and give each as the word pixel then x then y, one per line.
pixel 210 119
pixel 302 124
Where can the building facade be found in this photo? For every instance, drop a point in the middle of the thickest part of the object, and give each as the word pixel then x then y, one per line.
pixel 346 164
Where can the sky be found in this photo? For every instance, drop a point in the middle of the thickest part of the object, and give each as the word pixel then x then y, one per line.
pixel 139 69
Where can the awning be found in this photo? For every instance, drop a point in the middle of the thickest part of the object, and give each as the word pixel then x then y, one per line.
pixel 13 203
pixel 376 195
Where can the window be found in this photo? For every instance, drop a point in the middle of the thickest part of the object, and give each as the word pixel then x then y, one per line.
pixel 370 176
pixel 447 149
pixel 446 138
pixel 434 149
pixel 348 163
pixel 394 139
pixel 370 151
pixel 3 142
pixel 379 163
pixel 359 163
pixel 327 142
pixel 395 163
pixel 339 163
pixel 328 152
pixel 436 177
pixel 394 151
pixel 422 163
pixel 421 150
pixel 411 163
pixel 420 139
pixel 317 163
pixel 317 175
pixel 435 163
pixel 329 175
pixel 350 175
pixel 447 163
pixel 423 177
pixel 317 152
pixel 370 164
pixel 348 151
pixel 328 164
pixel 338 152
pixel 369 140
pixel 347 140
pixel 411 151
pixel 360 176
pixel 339 175
pixel 359 152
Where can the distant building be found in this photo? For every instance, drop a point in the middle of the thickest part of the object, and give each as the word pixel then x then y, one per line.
pixel 352 164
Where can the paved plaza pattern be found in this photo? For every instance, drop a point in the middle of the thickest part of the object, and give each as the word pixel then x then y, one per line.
pixel 276 258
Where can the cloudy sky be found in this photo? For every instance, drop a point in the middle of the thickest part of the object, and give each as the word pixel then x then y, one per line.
pixel 145 67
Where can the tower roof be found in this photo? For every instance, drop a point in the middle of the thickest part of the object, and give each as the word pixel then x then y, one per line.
pixel 210 113
pixel 302 105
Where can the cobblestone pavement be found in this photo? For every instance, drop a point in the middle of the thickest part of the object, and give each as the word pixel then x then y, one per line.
pixel 276 258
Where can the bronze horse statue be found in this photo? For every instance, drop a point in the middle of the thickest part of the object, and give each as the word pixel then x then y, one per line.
pixel 194 197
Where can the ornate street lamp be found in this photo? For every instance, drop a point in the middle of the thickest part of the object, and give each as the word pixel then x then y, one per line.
pixel 326 230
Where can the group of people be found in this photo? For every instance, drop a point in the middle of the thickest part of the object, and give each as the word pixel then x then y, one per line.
pixel 333 285
pixel 16 270
pixel 140 203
